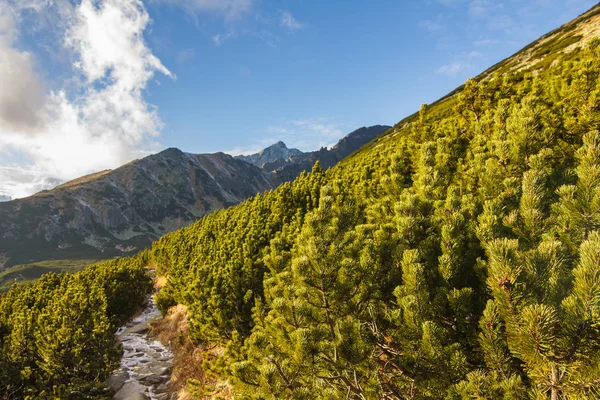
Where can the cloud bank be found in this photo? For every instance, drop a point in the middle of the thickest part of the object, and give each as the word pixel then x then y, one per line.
pixel 102 121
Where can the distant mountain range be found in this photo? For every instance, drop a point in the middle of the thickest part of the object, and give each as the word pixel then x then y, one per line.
pixel 287 164
pixel 120 211
pixel 274 154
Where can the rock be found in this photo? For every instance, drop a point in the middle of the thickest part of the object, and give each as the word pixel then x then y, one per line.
pixel 131 391
pixel 142 370
pixel 146 364
pixel 153 379
pixel 162 371
pixel 163 388
pixel 117 380
pixel 139 328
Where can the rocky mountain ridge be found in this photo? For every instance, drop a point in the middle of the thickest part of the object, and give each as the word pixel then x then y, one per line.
pixel 116 212
pixel 277 152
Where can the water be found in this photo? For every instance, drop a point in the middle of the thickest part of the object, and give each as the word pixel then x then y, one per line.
pixel 146 364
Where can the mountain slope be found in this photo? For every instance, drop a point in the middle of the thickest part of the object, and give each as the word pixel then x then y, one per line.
pixel 111 213
pixel 115 212
pixel 454 257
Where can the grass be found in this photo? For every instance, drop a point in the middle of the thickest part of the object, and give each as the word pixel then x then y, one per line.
pixel 30 272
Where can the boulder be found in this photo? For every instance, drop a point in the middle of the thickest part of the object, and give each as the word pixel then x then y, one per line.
pixel 117 380
pixel 132 391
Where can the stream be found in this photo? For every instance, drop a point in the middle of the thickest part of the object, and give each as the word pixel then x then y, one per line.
pixel 146 364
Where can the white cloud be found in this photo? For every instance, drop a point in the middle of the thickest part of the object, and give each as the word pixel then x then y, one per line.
pixel 483 8
pixel 21 182
pixel 22 96
pixel 307 134
pixel 485 42
pixel 230 9
pixel 100 124
pixel 288 21
pixel 220 38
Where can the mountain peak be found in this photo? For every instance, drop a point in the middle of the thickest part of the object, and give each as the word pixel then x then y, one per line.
pixel 276 152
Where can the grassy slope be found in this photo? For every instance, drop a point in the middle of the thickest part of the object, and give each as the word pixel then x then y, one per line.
pixel 29 272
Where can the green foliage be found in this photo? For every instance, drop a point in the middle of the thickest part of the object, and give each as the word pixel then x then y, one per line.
pixel 57 334
pixel 455 257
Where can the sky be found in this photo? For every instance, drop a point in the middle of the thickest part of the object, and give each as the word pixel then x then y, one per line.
pixel 88 85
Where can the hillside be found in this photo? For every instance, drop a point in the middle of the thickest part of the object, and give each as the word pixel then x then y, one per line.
pixel 119 212
pixel 455 257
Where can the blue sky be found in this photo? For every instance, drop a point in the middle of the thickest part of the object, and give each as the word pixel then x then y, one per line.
pixel 100 82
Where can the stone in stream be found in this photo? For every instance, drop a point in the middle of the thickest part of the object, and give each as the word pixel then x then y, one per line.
pixel 131 391
pixel 139 328
pixel 146 363
pixel 162 388
pixel 162 371
pixel 117 380
pixel 153 379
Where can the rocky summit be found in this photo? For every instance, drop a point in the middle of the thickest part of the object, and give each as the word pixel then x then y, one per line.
pixel 277 152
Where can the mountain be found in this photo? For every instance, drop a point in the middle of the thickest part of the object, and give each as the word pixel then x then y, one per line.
pixel 4 197
pixel 289 163
pixel 454 257
pixel 289 168
pixel 117 212
pixel 277 152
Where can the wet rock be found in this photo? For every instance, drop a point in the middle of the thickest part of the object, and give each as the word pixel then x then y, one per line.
pixel 153 379
pixel 131 391
pixel 138 329
pixel 161 371
pixel 146 363
pixel 162 388
pixel 117 380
